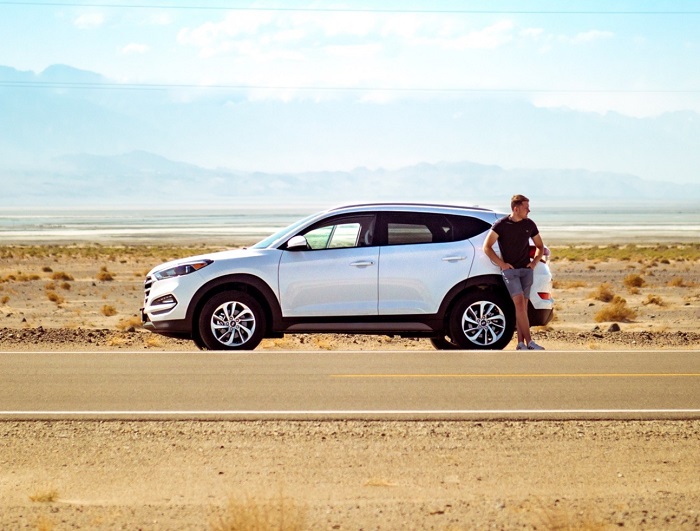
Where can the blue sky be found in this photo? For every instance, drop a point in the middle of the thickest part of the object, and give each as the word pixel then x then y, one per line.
pixel 596 58
pixel 638 58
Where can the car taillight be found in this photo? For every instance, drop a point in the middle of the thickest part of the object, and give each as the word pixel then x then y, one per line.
pixel 545 256
pixel 545 296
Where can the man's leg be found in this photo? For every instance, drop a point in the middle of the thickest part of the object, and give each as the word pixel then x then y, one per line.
pixel 522 322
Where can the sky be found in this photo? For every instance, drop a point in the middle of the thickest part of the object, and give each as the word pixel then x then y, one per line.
pixel 638 58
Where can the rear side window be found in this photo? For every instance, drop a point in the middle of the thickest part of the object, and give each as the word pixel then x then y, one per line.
pixel 406 228
pixel 465 227
pixel 408 233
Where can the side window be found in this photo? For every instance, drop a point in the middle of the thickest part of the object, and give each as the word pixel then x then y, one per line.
pixel 346 235
pixel 405 228
pixel 466 227
pixel 319 238
pixel 341 233
pixel 408 233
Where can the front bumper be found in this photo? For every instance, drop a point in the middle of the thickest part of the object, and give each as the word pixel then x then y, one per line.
pixel 179 328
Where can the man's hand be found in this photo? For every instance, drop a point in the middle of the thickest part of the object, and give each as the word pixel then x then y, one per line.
pixel 539 251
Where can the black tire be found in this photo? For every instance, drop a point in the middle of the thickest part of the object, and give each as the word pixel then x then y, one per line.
pixel 198 341
pixel 232 320
pixel 482 320
pixel 443 343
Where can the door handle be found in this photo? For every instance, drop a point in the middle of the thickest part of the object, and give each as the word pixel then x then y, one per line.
pixel 362 263
pixel 454 258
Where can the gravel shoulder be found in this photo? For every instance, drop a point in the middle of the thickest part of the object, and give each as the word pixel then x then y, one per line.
pixel 351 475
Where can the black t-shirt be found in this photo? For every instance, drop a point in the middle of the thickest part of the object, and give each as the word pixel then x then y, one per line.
pixel 514 240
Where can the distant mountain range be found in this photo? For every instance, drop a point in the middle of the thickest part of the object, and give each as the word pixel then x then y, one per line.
pixel 71 137
pixel 143 179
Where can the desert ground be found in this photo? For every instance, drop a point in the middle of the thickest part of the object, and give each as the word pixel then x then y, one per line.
pixel 353 474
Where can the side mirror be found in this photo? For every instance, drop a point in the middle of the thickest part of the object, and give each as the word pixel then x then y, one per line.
pixel 297 243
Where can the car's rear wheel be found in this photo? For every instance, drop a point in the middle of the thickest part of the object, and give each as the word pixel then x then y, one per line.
pixel 482 320
pixel 233 320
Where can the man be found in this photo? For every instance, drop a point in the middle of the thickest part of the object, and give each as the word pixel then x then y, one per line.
pixel 513 234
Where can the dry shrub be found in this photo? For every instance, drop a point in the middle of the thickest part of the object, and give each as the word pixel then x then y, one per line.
pixel 562 518
pixel 60 275
pixel 568 284
pixel 55 297
pixel 282 514
pixel 104 275
pixel 117 342
pixel 154 341
pixel 654 299
pixel 616 310
pixel 109 310
pixel 47 269
pixel 5 299
pixel 604 293
pixel 633 281
pixel 20 277
pixel 678 282
pixel 44 524
pixel 66 286
pixel 44 495
pixel 130 322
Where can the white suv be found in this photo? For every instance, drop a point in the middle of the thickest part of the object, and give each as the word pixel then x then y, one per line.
pixel 412 270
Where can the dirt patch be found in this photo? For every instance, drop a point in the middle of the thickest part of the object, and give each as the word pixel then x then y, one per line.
pixel 353 474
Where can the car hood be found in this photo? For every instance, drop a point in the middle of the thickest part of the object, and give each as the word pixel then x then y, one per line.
pixel 221 255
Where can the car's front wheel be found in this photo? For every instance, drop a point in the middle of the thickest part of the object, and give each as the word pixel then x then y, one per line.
pixel 233 320
pixel 482 320
pixel 443 342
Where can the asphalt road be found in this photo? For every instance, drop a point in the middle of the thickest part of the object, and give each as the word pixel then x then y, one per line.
pixel 318 385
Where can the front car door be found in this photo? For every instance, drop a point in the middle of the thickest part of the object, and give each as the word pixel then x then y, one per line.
pixel 336 275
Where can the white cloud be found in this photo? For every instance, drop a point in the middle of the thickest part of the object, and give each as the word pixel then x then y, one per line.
pixel 159 19
pixel 592 35
pixel 493 36
pixel 532 33
pixel 135 48
pixel 89 21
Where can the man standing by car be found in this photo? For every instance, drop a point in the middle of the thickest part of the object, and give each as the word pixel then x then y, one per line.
pixel 513 234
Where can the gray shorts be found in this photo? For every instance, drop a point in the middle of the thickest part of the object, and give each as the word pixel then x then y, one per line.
pixel 518 281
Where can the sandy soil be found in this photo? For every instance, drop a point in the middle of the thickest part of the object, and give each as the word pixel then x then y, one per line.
pixel 351 475
pixel 344 475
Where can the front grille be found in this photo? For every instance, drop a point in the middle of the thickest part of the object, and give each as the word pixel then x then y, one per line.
pixel 147 289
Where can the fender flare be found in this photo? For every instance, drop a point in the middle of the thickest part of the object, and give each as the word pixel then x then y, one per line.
pixel 251 284
pixel 494 282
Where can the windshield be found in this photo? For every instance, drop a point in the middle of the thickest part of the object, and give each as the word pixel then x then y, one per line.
pixel 264 244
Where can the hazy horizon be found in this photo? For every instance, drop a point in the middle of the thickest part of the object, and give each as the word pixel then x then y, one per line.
pixel 585 88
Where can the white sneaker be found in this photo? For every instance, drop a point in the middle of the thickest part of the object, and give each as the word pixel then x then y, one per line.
pixel 534 346
pixel 521 346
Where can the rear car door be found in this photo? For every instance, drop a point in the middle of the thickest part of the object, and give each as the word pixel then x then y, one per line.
pixel 423 255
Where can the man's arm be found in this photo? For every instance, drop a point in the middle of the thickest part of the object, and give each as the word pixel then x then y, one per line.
pixel 490 240
pixel 539 251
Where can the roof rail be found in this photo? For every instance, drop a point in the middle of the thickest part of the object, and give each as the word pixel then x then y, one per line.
pixel 408 204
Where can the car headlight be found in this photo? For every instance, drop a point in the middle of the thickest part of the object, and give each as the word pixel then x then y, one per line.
pixel 182 269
